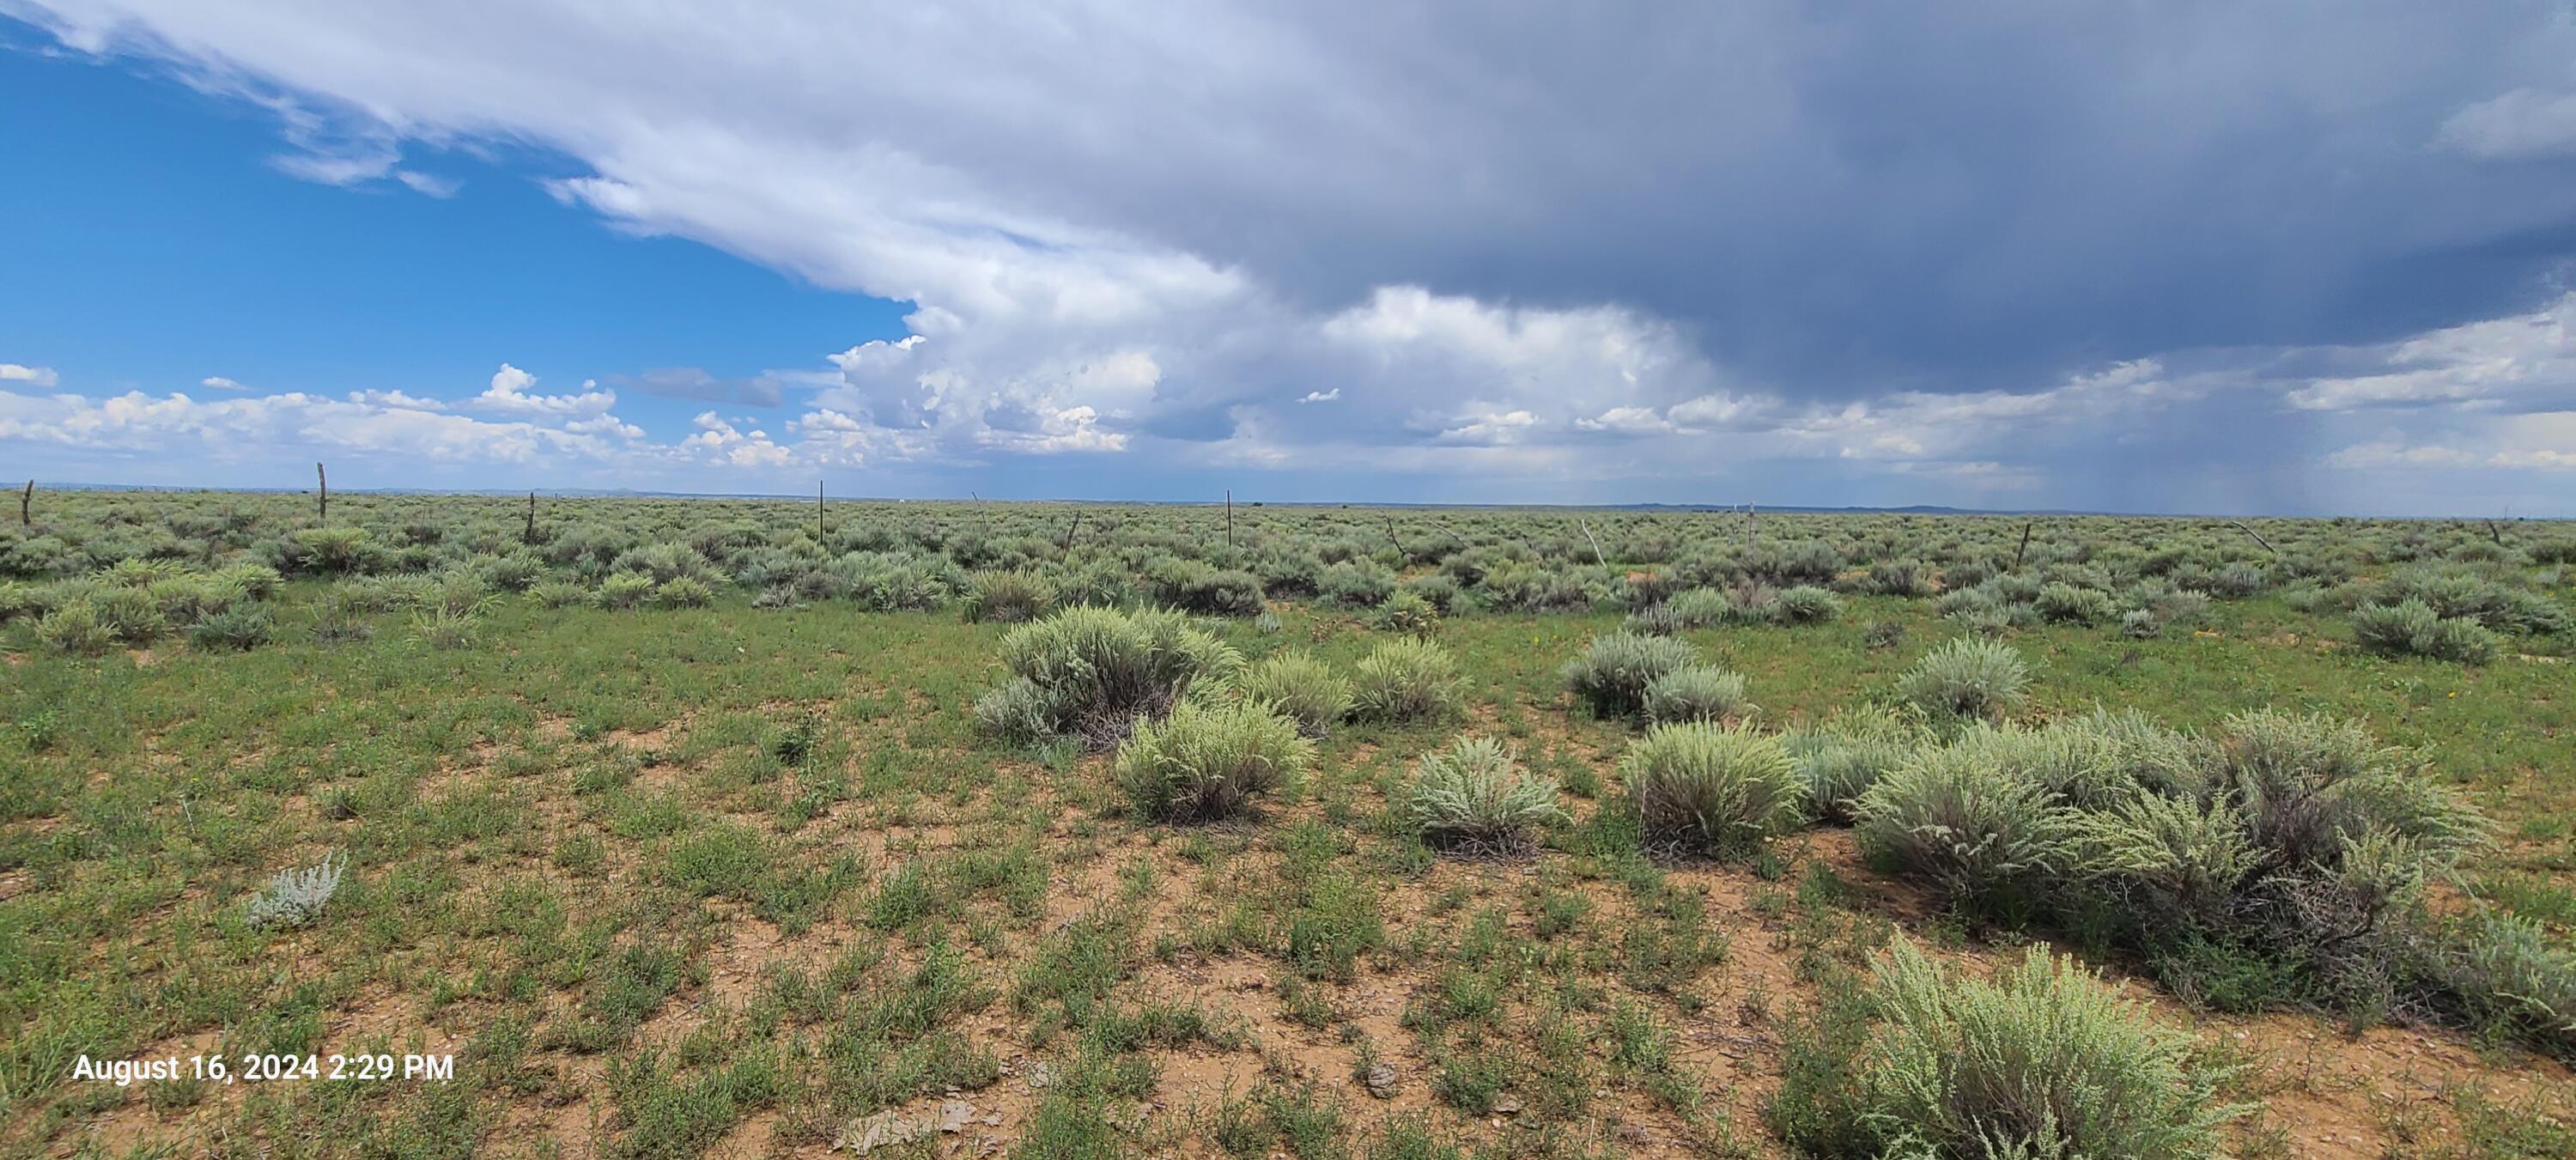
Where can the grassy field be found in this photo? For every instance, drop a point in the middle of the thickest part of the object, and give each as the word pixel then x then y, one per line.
pixel 744 876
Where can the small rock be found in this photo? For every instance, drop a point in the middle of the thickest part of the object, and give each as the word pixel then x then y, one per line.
pixel 1381 1081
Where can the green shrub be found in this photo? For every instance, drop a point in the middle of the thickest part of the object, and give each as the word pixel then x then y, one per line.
pixel 1840 759
pixel 625 590
pixel 2061 603
pixel 341 551
pixel 1967 677
pixel 1699 608
pixel 1208 761
pixel 1195 587
pixel 336 618
pixel 1897 578
pixel 2507 973
pixel 1016 712
pixel 2043 1061
pixel 516 572
pixel 22 601
pixel 1091 673
pixel 1806 604
pixel 1300 687
pixel 237 628
pixel 2412 628
pixel 558 594
pixel 76 627
pixel 1710 789
pixel 131 615
pixel 1614 671
pixel 1407 612
pixel 1474 797
pixel 1356 583
pixel 1697 693
pixel 683 592
pixel 1405 680
pixel 663 563
pixel 1985 834
pixel 1008 597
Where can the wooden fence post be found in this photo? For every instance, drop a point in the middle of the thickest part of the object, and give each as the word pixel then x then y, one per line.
pixel 321 495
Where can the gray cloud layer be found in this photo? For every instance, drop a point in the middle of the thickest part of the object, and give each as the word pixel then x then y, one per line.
pixel 2081 254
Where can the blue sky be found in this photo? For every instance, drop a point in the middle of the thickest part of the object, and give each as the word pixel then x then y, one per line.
pixel 2205 258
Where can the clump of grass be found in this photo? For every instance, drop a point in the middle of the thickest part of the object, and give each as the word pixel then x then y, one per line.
pixel 439 626
pixel 1474 797
pixel 1209 760
pixel 1617 668
pixel 2044 1061
pixel 1967 677
pixel 1405 680
pixel 1092 673
pixel 1708 789
pixel 1697 693
pixel 1299 686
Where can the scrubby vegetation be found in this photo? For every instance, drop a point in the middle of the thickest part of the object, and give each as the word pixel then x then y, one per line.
pixel 704 826
pixel 1474 796
pixel 1208 761
pixel 1709 789
pixel 2045 1060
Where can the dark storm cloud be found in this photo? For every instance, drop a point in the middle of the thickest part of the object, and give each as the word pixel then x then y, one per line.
pixel 1598 245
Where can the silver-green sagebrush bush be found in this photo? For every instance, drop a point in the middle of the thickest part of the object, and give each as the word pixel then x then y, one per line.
pixel 1406 611
pixel 1405 680
pixel 1697 693
pixel 1299 687
pixel 1973 826
pixel 1475 797
pixel 1091 673
pixel 2044 1061
pixel 2413 628
pixel 1841 758
pixel 1967 677
pixel 1011 597
pixel 683 592
pixel 1711 789
pixel 1209 760
pixel 296 897
pixel 2508 973
pixel 1615 670
pixel 1806 604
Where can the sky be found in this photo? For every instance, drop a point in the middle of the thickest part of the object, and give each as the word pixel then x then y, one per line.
pixel 2198 257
